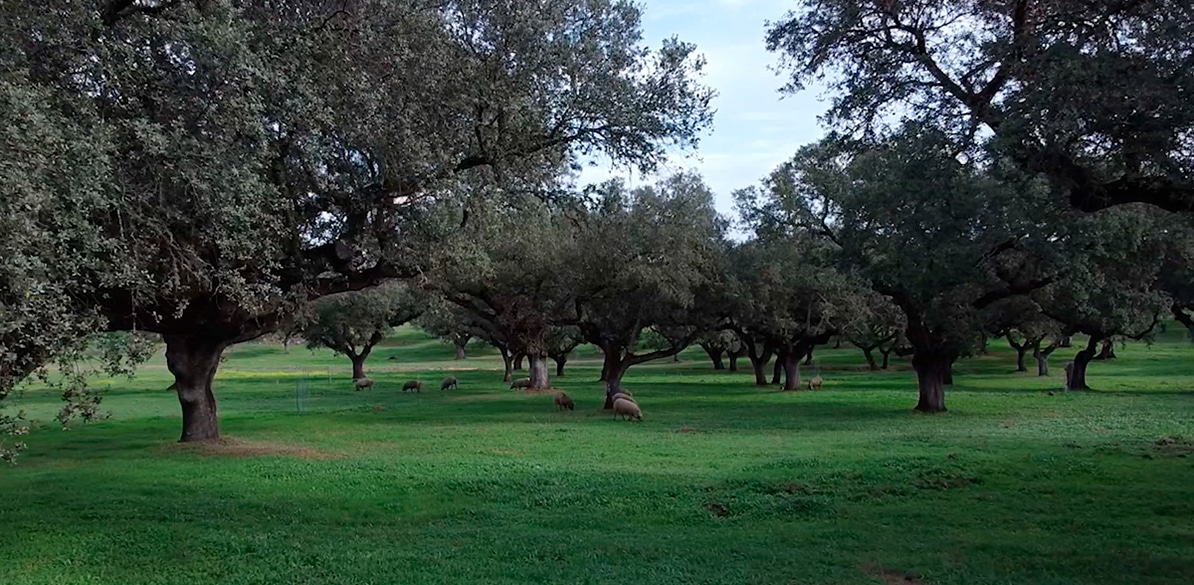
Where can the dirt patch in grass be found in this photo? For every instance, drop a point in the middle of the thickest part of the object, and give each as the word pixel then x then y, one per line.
pixel 685 429
pixel 717 509
pixel 232 447
pixel 892 576
pixel 1174 445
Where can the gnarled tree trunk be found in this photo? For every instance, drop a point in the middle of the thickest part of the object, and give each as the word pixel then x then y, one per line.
pixel 868 352
pixel 358 366
pixel 791 366
pixel 609 361
pixel 1021 352
pixel 931 368
pixel 560 361
pixel 1041 355
pixel 715 355
pixel 734 355
pixel 539 372
pixel 194 360
pixel 1076 380
pixel 460 355
pixel 1107 352
pixel 507 362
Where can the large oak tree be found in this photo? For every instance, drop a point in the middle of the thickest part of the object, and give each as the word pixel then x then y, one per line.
pixel 239 158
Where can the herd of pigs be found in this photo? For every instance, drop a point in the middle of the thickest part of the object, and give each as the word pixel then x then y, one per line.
pixel 624 404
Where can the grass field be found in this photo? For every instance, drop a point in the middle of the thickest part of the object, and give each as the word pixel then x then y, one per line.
pixel 722 483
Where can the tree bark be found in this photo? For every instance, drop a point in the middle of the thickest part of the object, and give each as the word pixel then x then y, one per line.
pixel 507 362
pixel 886 357
pixel 1107 352
pixel 808 359
pixel 715 356
pixel 931 368
pixel 734 355
pixel 518 360
pixel 948 379
pixel 609 361
pixel 868 352
pixel 1066 341
pixel 560 361
pixel 1021 351
pixel 286 345
pixel 1077 378
pixel 358 366
pixel 791 366
pixel 194 360
pixel 759 365
pixel 460 355
pixel 539 372
pixel 777 371
pixel 1041 355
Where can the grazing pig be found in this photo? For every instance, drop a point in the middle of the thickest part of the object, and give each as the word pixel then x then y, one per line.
pixel 449 382
pixel 623 396
pixel 814 383
pixel 415 385
pixel 563 401
pixel 521 383
pixel 627 409
pixel 362 383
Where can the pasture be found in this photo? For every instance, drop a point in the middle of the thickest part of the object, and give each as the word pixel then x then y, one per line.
pixel 723 482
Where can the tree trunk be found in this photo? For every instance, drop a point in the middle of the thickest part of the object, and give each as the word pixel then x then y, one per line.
pixel 886 358
pixel 777 371
pixel 286 345
pixel 507 362
pixel 538 371
pixel 1076 377
pixel 808 359
pixel 715 356
pixel 676 357
pixel 870 358
pixel 560 361
pixel 613 384
pixel 837 343
pixel 758 364
pixel 1107 352
pixel 609 361
pixel 1066 341
pixel 1041 355
pixel 358 366
pixel 931 368
pixel 518 360
pixel 948 379
pixel 460 355
pixel 194 361
pixel 1021 352
pixel 791 365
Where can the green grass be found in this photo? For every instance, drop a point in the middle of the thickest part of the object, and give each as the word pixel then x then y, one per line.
pixel 1018 483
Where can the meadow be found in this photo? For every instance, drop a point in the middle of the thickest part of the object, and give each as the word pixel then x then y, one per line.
pixel 723 482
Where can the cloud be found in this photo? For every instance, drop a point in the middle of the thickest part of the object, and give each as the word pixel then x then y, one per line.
pixel 755 128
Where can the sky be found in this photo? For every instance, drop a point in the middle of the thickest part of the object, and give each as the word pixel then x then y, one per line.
pixel 755 128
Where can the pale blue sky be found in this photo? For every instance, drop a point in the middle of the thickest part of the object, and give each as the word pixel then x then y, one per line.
pixel 754 130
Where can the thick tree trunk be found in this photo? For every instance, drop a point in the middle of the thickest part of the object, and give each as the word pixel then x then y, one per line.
pixel 358 366
pixel 507 362
pixel 791 365
pixel 539 372
pixel 931 369
pixel 1076 377
pixel 715 356
pixel 194 361
pixel 460 355
pixel 518 360
pixel 614 383
pixel 1107 352
pixel 759 365
pixel 560 361
pixel 1021 353
pixel 870 358
pixel 609 361
pixel 1042 364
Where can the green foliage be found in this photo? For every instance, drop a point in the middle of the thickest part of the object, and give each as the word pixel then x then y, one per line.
pixel 352 323
pixel 485 485
pixel 1093 94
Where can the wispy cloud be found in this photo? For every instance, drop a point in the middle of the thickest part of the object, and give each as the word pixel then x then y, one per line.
pixel 754 130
